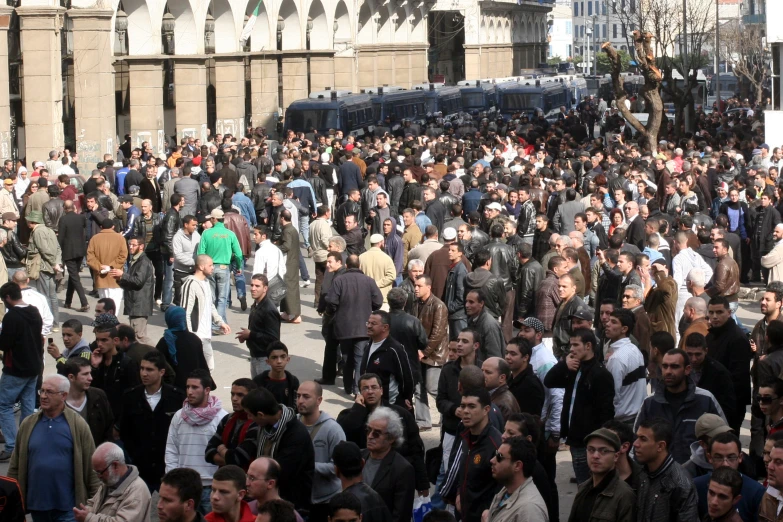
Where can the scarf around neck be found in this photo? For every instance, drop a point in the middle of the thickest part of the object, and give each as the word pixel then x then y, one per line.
pixel 201 416
pixel 273 434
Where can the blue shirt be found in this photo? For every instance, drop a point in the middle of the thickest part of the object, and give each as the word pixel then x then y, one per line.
pixel 422 221
pixel 50 466
pixel 246 208
pixel 749 504
pixel 119 184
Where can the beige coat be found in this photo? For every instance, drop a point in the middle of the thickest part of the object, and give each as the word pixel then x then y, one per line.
pixel 377 265
pixel 130 500
pixel 410 238
pixel 774 261
pixel 7 203
pixel 107 247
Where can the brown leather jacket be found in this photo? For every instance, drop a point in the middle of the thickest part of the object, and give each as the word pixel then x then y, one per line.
pixel 725 279
pixel 769 509
pixel 237 224
pixel 434 317
pixel 505 401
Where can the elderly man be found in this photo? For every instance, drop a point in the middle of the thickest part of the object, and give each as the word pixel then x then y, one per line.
pixel 773 261
pixel 123 495
pixel 377 265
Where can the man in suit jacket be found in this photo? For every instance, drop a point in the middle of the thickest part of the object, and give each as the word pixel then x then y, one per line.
pixel 289 245
pixel 635 233
pixel 74 248
pixel 385 470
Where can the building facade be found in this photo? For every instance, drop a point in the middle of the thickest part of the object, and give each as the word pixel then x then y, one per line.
pixel 91 72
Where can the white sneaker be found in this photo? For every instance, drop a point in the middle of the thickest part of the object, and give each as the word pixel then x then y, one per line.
pixel 304 284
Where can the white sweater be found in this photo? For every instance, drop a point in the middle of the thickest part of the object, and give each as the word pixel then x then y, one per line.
pixel 187 444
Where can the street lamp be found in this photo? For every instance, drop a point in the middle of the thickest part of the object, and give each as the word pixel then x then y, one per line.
pixel 121 26
pixel 587 60
pixel 168 33
pixel 209 34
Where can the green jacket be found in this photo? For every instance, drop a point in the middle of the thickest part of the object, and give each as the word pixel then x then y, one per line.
pixel 220 243
pixel 44 241
pixel 85 480
pixel 616 503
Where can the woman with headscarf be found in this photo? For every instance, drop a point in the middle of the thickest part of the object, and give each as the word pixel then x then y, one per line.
pixel 392 245
pixel 182 349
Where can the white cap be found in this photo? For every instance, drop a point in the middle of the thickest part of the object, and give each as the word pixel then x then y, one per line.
pixel 495 206
pixel 375 239
pixel 449 234
pixel 325 157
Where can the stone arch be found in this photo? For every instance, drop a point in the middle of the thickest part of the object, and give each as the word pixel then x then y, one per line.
pixel 529 32
pixel 292 34
pixel 143 34
pixel 320 33
pixel 401 32
pixel 343 20
pixel 543 32
pixel 483 35
pixel 491 32
pixel 418 29
pixel 226 38
pixel 261 37
pixel 186 32
pixel 385 25
pixel 507 32
pixel 366 29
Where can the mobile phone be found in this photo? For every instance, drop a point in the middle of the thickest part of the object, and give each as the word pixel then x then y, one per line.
pixel 51 341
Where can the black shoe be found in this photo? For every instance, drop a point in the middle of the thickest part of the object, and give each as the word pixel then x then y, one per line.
pixel 324 382
pixel 94 293
pixel 5 456
pixel 243 303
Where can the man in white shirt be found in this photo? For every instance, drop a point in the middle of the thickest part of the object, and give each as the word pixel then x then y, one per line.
pixel 66 168
pixel 269 260
pixel 682 264
pixel 626 366
pixel 35 298
pixel 183 246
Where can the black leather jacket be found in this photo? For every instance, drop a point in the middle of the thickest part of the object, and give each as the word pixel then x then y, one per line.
pixel 52 212
pixel 504 262
pixel 14 253
pixel 209 201
pixel 140 231
pixel 447 200
pixel 170 225
pixel 530 276
pixel 493 289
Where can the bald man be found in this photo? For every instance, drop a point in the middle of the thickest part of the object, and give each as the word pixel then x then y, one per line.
pixel 497 373
pixel 108 461
pixel 774 260
pixel 694 319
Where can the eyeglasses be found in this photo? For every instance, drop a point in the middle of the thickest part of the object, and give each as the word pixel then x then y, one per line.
pixel 499 456
pixel 601 451
pixel 103 470
pixel 731 459
pixel 373 433
pixel 374 387
pixel 765 399
pixel 48 393
pixel 251 478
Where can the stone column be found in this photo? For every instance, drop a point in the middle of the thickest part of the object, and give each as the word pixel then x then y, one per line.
pixel 5 104
pixel 93 54
pixel 344 68
pixel 321 71
pixel 230 95
pixel 472 62
pixel 263 91
pixel 190 95
pixel 294 78
pixel 43 80
pixel 146 102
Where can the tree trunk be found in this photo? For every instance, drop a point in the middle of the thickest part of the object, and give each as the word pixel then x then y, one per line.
pixel 650 91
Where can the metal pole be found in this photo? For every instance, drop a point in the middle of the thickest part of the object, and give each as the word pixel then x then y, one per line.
pixel 717 52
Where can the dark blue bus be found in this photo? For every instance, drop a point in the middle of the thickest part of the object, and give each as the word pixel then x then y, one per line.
pixel 442 99
pixel 477 95
pixel 397 105
pixel 531 96
pixel 344 111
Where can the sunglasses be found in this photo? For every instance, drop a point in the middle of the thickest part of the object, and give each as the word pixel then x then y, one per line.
pixel 765 399
pixel 373 433
pixel 499 456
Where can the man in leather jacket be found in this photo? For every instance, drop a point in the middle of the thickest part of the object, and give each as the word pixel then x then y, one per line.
pixel 14 253
pixel 210 198
pixel 504 266
pixel 53 209
pixel 352 206
pixel 170 225
pixel 493 287
pixel 149 219
pixel 530 275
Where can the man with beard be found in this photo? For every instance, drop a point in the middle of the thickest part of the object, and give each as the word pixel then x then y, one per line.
pixel 232 441
pixel 180 496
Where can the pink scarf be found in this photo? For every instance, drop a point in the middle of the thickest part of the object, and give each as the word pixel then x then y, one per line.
pixel 201 416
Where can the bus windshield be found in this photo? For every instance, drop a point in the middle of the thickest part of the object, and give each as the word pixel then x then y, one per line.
pixel 519 101
pixel 472 99
pixel 306 119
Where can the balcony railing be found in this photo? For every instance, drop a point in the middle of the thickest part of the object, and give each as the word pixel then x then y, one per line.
pixel 754 19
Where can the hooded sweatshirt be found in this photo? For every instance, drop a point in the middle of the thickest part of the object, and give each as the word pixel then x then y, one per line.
pixel 189 433
pixel 325 434
pixel 82 349
pixel 22 342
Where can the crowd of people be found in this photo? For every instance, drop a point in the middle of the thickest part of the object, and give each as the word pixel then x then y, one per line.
pixel 548 289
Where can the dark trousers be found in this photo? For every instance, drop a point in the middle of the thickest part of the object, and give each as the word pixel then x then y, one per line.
pixel 178 277
pixel 331 353
pixel 157 262
pixel 507 320
pixel 320 270
pixel 548 460
pixel 351 360
pixel 74 282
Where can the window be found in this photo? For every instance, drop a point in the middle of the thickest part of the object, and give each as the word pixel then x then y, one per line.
pixel 633 6
pixel 569 27
pixel 604 31
pixel 576 8
pixel 589 8
pixel 603 8
pixel 625 32
pixel 570 50
pixel 614 30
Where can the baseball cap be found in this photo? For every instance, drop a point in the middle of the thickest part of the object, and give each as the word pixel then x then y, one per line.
pixel 8 181
pixel 724 186
pixel 501 186
pixel 105 320
pixel 495 206
pixel 710 425
pixel 582 313
pixel 534 323
pixel 9 216
pixel 35 216
pixel 348 457
pixel 38 164
pixel 606 435
pixel 449 234
pixel 375 239
pixel 216 214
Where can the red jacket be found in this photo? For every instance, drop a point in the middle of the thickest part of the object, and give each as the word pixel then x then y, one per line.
pixel 245 515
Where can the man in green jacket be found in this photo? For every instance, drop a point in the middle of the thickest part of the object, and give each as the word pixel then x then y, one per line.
pixel 222 246
pixel 54 444
pixel 44 244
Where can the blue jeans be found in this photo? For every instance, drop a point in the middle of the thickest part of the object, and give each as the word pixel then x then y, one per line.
pixel 14 388
pixel 304 229
pixel 221 286
pixel 303 268
pixel 579 461
pixel 733 307
pixel 168 282
pixel 53 515
pixel 47 286
pixel 206 504
pixel 239 280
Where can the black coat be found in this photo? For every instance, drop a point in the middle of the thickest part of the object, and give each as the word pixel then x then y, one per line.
pixel 292 385
pixel 392 482
pixel 264 325
pixel 594 403
pixel 635 233
pixel 528 391
pixel 407 330
pixel 99 416
pixel 349 178
pixel 14 252
pixel 190 356
pixel 115 379
pixel 729 346
pixel 354 420
pixel 71 235
pixel 373 507
pixel 352 297
pixel 437 213
pixel 139 285
pixel 144 432
pixel 390 360
pixel 714 377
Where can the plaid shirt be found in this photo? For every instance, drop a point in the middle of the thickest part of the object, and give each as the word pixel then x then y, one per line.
pixel 547 300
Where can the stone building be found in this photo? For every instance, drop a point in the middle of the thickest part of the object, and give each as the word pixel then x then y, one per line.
pixel 87 73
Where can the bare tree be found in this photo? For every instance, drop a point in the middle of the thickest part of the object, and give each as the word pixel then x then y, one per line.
pixel 742 46
pixel 650 92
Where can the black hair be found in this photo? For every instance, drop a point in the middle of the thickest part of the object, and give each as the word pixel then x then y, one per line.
pixel 726 437
pixel 232 473
pixel 726 476
pixel 279 510
pixel 74 365
pixel 260 400
pixel 586 336
pixel 662 341
pixel 187 482
pixel 525 349
pixel 720 300
pixel 156 358
pixel 661 429
pixel 108 305
pixel 344 500
pixel 626 319
pixel 73 324
pixel 623 431
pixel 276 345
pixel 695 340
pixel 203 376
pixel 480 393
pixel 522 450
pixel 11 291
pixel 244 382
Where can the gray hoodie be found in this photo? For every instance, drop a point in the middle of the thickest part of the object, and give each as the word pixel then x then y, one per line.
pixel 329 434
